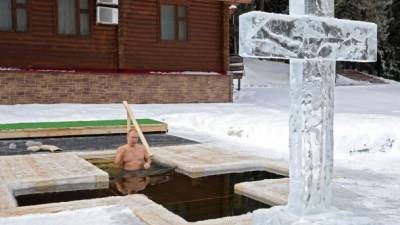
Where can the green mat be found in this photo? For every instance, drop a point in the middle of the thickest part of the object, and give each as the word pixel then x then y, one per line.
pixel 95 123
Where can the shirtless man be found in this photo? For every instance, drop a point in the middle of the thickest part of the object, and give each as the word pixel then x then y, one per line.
pixel 132 156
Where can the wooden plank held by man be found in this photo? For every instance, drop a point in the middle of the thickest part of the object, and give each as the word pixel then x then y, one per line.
pixel 132 120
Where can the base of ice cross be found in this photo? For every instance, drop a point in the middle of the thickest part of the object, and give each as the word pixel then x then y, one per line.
pixel 280 215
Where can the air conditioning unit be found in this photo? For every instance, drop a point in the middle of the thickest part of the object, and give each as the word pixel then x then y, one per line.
pixel 107 2
pixel 106 15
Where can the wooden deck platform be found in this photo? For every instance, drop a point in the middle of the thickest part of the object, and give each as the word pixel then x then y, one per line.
pixel 199 160
pixel 143 208
pixel 7 200
pixel 272 192
pixel 75 128
pixel 41 173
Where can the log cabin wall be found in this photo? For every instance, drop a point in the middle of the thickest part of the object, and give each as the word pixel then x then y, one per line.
pixel 141 47
pixel 42 47
pixel 132 45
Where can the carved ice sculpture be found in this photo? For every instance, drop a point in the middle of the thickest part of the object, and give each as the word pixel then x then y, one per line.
pixel 270 35
pixel 313 44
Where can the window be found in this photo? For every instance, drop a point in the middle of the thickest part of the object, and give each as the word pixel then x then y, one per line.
pixel 173 22
pixel 73 17
pixel 13 15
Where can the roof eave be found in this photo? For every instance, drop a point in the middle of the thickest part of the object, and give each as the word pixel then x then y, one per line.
pixel 238 1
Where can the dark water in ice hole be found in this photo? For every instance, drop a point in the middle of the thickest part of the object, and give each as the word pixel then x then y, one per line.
pixel 193 199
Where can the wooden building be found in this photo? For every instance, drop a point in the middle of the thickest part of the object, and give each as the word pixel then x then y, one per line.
pixel 161 51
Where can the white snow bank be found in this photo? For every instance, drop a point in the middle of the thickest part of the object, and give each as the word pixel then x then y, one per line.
pixel 345 81
pixel 110 215
pixel 367 118
pixel 265 73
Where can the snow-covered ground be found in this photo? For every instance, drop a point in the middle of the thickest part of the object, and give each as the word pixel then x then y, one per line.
pixel 265 73
pixel 105 215
pixel 367 131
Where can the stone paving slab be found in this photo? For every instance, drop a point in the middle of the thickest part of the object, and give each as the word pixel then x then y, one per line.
pixel 7 200
pixel 272 192
pixel 202 160
pixel 39 173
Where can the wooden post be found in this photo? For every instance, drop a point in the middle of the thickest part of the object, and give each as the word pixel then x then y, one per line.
pixel 128 122
pixel 132 118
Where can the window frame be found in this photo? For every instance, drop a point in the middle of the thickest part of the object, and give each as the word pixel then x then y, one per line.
pixel 14 7
pixel 176 4
pixel 78 11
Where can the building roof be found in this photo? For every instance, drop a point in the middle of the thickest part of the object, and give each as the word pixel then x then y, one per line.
pixel 237 1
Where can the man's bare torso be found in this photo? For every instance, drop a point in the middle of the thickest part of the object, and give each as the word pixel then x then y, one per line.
pixel 133 158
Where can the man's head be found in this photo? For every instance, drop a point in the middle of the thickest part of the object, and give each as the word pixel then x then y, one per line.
pixel 132 136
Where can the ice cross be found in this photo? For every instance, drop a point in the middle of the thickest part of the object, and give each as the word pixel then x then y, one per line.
pixel 313 42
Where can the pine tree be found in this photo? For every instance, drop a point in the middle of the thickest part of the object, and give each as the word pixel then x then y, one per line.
pixel 379 12
pixel 276 6
pixel 394 40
